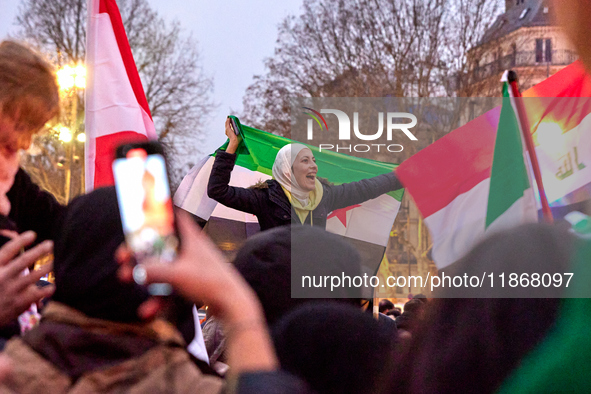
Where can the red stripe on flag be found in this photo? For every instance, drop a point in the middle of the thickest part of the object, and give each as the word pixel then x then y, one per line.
pixel 571 81
pixel 105 154
pixel 110 7
pixel 566 112
pixel 451 166
pixel 562 99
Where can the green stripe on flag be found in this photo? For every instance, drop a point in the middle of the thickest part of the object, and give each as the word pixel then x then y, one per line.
pixel 259 149
pixel 508 179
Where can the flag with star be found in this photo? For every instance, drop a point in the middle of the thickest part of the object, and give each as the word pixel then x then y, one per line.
pixel 367 225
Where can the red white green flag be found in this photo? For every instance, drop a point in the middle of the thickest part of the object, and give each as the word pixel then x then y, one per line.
pixel 472 181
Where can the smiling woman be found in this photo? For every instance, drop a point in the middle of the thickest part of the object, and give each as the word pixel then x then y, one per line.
pixel 295 194
pixel 304 168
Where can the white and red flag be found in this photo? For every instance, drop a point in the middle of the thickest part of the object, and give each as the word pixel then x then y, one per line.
pixel 454 183
pixel 116 106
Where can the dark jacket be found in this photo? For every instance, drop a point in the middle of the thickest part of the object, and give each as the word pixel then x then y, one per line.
pixel 70 352
pixel 272 207
pixel 34 209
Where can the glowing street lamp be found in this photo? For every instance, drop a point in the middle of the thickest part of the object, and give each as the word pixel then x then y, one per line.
pixel 80 76
pixel 65 78
pixel 65 134
pixel 70 79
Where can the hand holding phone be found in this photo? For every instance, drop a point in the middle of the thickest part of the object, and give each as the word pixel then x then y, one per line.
pixel 234 126
pixel 145 206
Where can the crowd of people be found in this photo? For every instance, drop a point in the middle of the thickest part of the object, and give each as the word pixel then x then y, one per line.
pixel 94 329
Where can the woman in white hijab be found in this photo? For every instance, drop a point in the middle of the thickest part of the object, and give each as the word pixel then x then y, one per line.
pixel 294 195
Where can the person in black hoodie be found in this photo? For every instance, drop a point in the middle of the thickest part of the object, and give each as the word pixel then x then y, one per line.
pixel 273 263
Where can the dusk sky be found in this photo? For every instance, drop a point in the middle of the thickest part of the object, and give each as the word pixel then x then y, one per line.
pixel 234 39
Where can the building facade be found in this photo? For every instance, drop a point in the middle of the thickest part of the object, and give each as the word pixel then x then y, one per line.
pixel 526 39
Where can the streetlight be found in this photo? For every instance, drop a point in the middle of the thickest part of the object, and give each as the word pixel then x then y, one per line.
pixel 64 134
pixel 70 79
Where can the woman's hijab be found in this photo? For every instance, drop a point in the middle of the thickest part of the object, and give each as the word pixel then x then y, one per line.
pixel 283 173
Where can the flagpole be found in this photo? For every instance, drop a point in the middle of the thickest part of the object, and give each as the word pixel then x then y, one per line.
pixel 529 142
pixel 376 305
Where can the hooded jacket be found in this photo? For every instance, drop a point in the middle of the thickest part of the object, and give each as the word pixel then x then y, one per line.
pixel 270 204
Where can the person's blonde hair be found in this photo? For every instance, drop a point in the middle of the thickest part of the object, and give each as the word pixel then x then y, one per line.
pixel 28 88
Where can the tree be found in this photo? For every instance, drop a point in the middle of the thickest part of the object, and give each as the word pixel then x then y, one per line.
pixel 366 48
pixel 177 89
pixel 376 48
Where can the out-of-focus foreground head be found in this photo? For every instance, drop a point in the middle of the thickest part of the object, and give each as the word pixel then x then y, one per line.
pixel 335 348
pixel 29 94
pixel 470 345
pixel 574 17
pixel 85 267
pixel 269 259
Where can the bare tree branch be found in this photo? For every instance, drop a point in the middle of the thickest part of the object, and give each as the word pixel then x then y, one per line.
pixel 177 89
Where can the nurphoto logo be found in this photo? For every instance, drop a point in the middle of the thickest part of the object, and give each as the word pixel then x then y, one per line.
pixel 395 122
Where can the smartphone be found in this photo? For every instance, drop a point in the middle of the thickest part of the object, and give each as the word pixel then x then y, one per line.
pixel 234 126
pixel 145 205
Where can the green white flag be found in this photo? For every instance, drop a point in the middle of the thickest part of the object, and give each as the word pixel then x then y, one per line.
pixel 366 225
pixel 511 197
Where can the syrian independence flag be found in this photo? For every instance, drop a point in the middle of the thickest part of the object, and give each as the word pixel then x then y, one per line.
pixel 471 181
pixel 367 225
pixel 116 106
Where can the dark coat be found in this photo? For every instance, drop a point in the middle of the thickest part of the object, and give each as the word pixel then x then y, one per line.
pixel 272 207
pixel 34 209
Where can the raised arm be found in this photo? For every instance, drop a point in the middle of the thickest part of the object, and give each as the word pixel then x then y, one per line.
pixel 353 193
pixel 218 188
pixel 201 273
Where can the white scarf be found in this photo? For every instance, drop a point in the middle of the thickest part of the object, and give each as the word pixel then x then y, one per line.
pixel 283 173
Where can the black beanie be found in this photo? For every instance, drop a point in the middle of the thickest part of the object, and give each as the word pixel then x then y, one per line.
pixel 84 264
pixel 336 348
pixel 268 260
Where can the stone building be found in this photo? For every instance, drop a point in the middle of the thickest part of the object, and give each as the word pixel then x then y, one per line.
pixel 526 39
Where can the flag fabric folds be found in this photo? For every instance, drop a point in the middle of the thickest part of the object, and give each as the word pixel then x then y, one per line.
pixel 559 112
pixel 510 199
pixel 366 225
pixel 116 106
pixel 467 182
pixel 449 181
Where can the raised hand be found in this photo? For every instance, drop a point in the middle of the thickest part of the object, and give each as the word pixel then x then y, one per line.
pixel 18 291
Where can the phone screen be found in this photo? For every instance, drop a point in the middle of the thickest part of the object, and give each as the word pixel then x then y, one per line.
pixel 145 204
